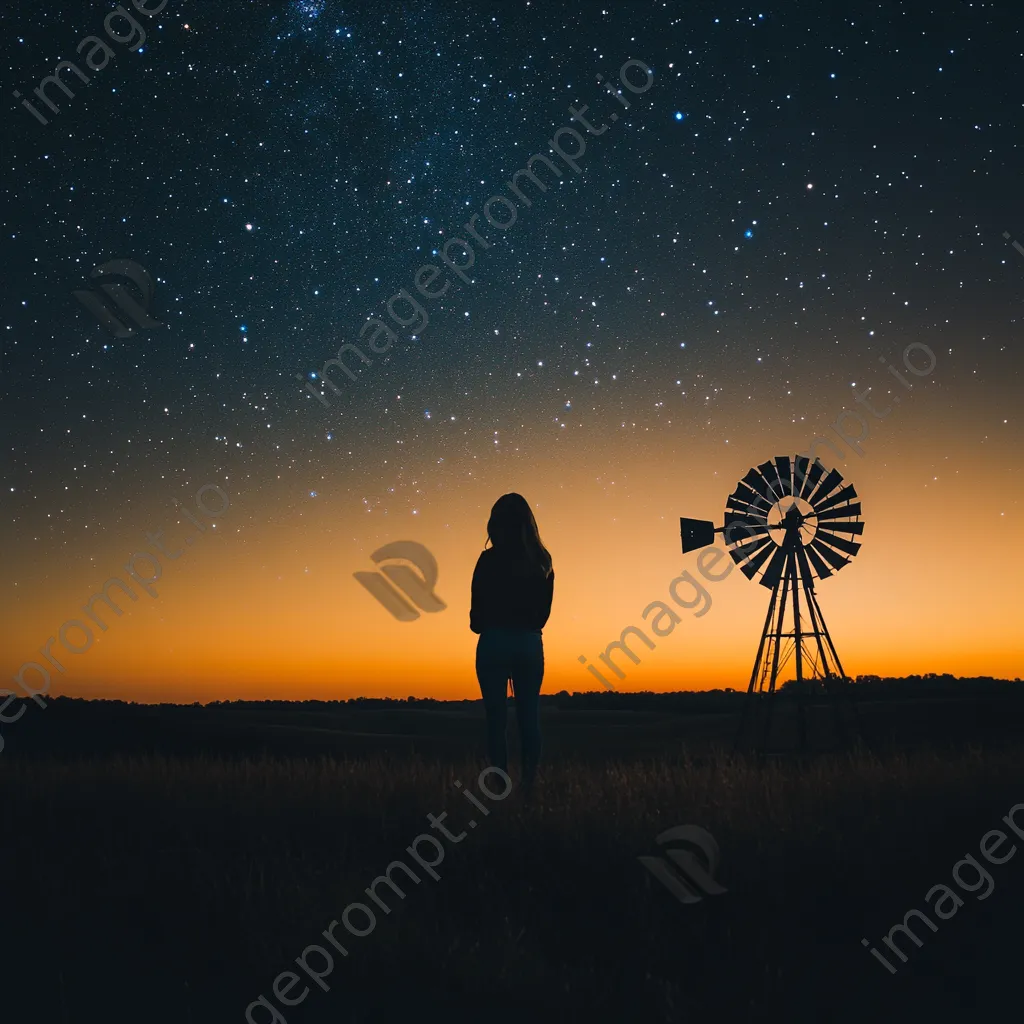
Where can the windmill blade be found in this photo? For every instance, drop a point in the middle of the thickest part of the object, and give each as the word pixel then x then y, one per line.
pixel 847 493
pixel 758 508
pixel 785 473
pixel 757 515
pixel 770 476
pixel 803 569
pixel 756 482
pixel 752 526
pixel 750 569
pixel 839 513
pixel 837 542
pixel 744 551
pixel 773 573
pixel 810 480
pixel 820 567
pixel 800 466
pixel 829 484
pixel 744 495
pixel 836 560
pixel 843 527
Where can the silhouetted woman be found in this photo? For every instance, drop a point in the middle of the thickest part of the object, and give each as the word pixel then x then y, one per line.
pixel 512 588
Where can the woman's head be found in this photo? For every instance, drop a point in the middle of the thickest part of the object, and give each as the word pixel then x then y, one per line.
pixel 513 528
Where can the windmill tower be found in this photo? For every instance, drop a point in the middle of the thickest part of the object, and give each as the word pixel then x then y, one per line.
pixel 789 523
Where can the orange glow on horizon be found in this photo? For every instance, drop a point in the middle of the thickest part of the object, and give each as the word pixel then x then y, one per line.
pixel 273 610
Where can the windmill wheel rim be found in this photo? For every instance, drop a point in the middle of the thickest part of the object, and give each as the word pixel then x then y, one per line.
pixel 830 518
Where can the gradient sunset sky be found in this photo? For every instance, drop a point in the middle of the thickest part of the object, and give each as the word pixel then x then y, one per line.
pixel 794 200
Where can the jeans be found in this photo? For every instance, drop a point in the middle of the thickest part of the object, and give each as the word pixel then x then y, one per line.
pixel 516 654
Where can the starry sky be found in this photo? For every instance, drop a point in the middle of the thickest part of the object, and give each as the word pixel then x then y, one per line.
pixel 798 194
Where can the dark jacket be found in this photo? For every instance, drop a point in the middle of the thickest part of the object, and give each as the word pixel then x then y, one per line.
pixel 509 594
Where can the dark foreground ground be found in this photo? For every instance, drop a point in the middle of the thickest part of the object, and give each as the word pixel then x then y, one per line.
pixel 169 869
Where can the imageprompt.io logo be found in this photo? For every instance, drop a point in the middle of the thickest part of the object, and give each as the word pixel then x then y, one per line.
pixel 419 589
pixel 132 309
pixel 691 876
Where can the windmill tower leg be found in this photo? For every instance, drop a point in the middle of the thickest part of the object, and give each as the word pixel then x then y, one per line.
pixel 798 640
pixel 846 691
pixel 814 614
pixel 755 674
pixel 842 691
pixel 776 642
pixel 816 623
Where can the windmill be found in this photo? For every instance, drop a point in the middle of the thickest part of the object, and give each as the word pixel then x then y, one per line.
pixel 788 523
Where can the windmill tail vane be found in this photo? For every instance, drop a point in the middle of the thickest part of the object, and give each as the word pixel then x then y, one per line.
pixel 788 523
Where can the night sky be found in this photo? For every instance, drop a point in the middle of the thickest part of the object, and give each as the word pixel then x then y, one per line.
pixel 795 197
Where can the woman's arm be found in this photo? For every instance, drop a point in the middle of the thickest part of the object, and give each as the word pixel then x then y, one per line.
pixel 544 611
pixel 480 602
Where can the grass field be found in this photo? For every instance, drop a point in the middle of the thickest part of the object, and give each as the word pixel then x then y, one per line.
pixel 177 888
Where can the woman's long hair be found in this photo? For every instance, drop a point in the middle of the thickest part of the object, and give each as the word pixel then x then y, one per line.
pixel 513 528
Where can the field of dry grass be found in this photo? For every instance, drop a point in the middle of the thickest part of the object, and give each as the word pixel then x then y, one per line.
pixel 155 889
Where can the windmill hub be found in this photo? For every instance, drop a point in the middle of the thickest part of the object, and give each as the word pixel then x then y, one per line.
pixel 795 517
